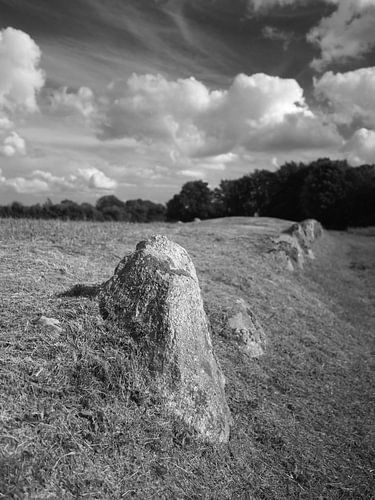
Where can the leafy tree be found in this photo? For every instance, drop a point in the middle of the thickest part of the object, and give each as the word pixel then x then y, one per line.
pixel 194 200
pixel 90 213
pixel 361 196
pixel 285 202
pixel 233 195
pixel 331 191
pixel 109 201
pixel 114 212
pixel 324 193
pixel 248 195
pixel 17 210
pixel 261 186
pixel 144 211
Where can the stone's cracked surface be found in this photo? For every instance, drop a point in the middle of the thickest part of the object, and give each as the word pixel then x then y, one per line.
pixel 243 326
pixel 293 245
pixel 305 232
pixel 154 297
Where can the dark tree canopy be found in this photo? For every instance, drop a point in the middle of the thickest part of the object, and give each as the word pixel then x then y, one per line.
pixel 324 193
pixel 333 192
pixel 194 200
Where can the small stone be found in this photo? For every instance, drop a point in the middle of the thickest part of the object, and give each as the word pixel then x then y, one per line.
pixel 50 323
pixel 243 326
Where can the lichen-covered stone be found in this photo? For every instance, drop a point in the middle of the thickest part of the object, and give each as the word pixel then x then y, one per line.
pixel 154 297
pixel 305 232
pixel 243 326
pixel 294 244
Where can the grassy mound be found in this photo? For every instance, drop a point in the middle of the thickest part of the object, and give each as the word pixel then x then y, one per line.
pixel 78 420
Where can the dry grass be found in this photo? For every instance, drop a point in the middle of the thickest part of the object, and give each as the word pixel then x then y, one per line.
pixel 78 421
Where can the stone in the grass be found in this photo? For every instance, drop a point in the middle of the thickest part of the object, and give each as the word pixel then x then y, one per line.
pixel 154 297
pixel 243 326
pixel 294 244
pixel 52 324
pixel 305 232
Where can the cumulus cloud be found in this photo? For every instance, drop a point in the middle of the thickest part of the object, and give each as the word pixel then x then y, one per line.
pixel 350 95
pixel 24 185
pixel 65 102
pixel 146 106
pixel 40 181
pixel 96 179
pixel 20 76
pixel 197 122
pixel 297 132
pixel 20 81
pixel 5 123
pixel 347 33
pixel 13 144
pixel 360 148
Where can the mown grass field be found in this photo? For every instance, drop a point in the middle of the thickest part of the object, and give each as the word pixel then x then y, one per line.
pixel 77 421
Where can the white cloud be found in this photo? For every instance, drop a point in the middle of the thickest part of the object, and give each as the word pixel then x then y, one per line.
pixel 13 144
pixel 96 179
pixel 196 174
pixel 346 33
pixel 20 76
pixel 26 185
pixel 218 162
pixel 5 123
pixel 40 181
pixel 349 32
pixel 298 131
pixel 350 95
pixel 10 142
pixel 63 102
pixel 20 81
pixel 360 148
pixel 197 122
pixel 151 107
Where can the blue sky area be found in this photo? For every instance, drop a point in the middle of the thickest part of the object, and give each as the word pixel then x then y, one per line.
pixel 137 97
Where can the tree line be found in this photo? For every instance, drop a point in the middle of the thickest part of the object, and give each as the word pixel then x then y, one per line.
pixel 107 208
pixel 332 192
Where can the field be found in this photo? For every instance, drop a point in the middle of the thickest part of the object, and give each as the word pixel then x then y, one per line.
pixel 76 420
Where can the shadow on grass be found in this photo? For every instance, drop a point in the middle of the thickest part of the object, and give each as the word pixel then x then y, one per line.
pixel 81 290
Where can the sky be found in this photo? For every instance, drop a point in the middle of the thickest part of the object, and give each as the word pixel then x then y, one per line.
pixel 137 97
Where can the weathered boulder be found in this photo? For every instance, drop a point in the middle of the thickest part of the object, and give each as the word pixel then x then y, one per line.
pixel 294 244
pixel 51 324
pixel 154 297
pixel 305 232
pixel 243 326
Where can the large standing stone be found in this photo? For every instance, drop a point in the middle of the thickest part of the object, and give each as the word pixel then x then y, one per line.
pixel 154 296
